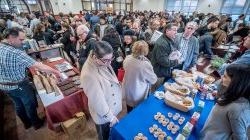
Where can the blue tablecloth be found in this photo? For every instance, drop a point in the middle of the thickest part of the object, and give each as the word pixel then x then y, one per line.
pixel 142 117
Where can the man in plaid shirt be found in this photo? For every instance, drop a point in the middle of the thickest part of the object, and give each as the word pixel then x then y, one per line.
pixel 13 78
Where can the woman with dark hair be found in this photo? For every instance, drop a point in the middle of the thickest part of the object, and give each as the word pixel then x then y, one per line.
pixel 102 88
pixel 68 40
pixel 229 118
pixel 40 34
pixel 113 38
pixel 129 37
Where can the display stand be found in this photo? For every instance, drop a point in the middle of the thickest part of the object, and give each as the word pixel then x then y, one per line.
pixel 58 107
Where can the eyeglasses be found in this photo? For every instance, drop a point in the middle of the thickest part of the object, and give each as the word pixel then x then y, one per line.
pixel 190 28
pixel 107 60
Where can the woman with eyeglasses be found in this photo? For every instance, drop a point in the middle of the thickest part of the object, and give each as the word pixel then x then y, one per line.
pixel 229 118
pixel 139 75
pixel 102 88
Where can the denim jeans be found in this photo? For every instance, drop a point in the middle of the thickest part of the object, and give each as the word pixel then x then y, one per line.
pixel 103 131
pixel 25 103
pixel 206 43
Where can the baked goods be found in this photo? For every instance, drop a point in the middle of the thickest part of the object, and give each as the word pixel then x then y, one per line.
pixel 159 94
pixel 157 132
pixel 68 86
pixel 140 136
pixel 177 89
pixel 181 120
pixel 176 116
pixel 207 78
pixel 71 73
pixel 77 82
pixel 53 83
pixel 161 119
pixel 181 73
pixel 74 78
pixel 64 83
pixel 63 66
pixel 70 91
pixel 170 115
pixel 181 103
pixel 46 84
pixel 186 81
pixel 38 83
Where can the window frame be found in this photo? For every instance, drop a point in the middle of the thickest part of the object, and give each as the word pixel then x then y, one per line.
pixel 181 7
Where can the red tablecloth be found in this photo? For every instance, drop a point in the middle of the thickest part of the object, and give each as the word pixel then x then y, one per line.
pixel 67 107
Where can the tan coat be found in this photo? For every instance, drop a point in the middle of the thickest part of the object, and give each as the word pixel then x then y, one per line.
pixel 139 76
pixel 103 91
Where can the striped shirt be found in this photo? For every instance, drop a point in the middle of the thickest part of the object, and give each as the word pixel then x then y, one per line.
pixel 183 47
pixel 13 65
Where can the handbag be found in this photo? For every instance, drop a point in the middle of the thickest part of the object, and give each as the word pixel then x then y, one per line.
pixel 120 74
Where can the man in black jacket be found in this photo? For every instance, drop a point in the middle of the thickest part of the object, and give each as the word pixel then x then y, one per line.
pixel 68 42
pixel 84 44
pixel 163 48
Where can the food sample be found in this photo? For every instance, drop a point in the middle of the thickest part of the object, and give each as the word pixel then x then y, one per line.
pixel 156 117
pixel 181 73
pixel 75 78
pixel 68 86
pixel 38 83
pixel 140 136
pixel 53 82
pixel 186 102
pixel 176 116
pixel 181 120
pixel 77 82
pixel 179 102
pixel 207 78
pixel 151 129
pixel 70 73
pixel 63 66
pixel 186 81
pixel 64 83
pixel 157 132
pixel 170 115
pixel 70 91
pixel 173 131
pixel 164 123
pixel 46 84
pixel 177 89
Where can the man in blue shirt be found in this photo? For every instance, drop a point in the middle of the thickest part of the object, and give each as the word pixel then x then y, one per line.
pixel 13 78
pixel 188 46
pixel 94 20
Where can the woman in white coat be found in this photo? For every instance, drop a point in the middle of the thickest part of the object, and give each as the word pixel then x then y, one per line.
pixel 139 75
pixel 102 88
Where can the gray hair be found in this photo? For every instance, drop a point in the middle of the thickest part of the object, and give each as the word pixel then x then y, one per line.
pixel 82 28
pixel 192 23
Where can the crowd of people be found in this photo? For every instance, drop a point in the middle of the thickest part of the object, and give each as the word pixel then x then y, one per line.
pixel 147 45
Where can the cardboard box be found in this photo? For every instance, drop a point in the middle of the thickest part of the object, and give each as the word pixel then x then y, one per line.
pixel 75 126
